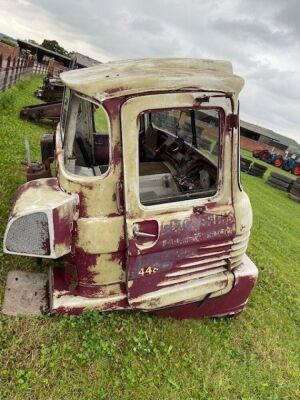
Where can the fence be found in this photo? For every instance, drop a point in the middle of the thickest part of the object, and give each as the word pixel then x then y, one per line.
pixel 12 70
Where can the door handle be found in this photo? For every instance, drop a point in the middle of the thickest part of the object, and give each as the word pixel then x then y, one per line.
pixel 138 233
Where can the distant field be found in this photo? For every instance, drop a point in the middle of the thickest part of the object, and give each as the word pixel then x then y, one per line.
pixel 125 355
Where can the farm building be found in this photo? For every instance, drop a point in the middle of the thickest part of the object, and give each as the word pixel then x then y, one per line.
pixel 255 136
pixel 43 54
pixel 83 61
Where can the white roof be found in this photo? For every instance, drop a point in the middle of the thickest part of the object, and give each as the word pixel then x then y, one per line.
pixel 122 78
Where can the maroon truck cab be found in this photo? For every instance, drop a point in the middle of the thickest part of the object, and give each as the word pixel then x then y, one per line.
pixel 146 211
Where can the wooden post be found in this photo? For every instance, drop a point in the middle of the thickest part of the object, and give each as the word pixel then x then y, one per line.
pixel 13 71
pixel 26 65
pixel 11 76
pixel 23 66
pixel 1 62
pixel 18 69
pixel 6 73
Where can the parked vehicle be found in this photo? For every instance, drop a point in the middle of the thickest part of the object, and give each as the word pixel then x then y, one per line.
pixel 139 215
pixel 261 154
pixel 278 161
pixel 268 156
pixel 51 90
pixel 292 164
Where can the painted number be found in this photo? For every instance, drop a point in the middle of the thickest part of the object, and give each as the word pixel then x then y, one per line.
pixel 147 271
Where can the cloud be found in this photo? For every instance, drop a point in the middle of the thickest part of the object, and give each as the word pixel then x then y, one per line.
pixel 260 38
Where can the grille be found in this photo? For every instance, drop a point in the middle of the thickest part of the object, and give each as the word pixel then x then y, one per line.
pixel 211 260
pixel 29 234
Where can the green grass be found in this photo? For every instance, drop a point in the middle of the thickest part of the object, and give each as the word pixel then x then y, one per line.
pixel 125 355
pixel 100 119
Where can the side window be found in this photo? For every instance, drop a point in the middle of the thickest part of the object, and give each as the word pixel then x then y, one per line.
pixel 178 155
pixel 87 142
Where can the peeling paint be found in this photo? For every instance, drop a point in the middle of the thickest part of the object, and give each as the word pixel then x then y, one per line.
pixel 44 195
pixel 123 78
pixel 191 262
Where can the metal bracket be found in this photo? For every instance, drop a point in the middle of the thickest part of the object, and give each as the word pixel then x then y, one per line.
pixel 233 121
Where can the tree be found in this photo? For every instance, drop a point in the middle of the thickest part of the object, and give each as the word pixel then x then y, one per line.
pixel 32 41
pixel 9 42
pixel 54 46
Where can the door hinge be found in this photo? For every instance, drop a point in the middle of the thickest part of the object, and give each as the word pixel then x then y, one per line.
pixel 233 121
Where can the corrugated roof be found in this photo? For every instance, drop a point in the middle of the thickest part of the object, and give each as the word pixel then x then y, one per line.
pixel 83 60
pixel 36 46
pixel 269 133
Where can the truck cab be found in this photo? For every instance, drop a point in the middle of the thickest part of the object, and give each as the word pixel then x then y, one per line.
pixel 146 210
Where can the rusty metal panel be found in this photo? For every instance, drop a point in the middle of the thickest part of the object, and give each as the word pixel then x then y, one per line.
pixel 193 254
pixel 191 241
pixel 124 78
pixel 43 202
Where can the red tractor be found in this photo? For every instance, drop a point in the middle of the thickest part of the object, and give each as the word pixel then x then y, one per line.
pixel 258 153
pixel 268 156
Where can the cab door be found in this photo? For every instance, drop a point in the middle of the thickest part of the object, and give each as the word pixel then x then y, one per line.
pixel 177 251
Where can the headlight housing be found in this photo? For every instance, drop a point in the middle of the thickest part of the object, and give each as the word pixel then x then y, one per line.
pixel 29 234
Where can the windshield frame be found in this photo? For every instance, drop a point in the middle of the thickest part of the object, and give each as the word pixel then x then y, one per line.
pixel 64 112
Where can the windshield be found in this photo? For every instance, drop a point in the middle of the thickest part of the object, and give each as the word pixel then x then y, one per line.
pixel 86 142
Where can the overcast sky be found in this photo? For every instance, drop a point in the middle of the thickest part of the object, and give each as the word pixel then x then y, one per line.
pixel 260 37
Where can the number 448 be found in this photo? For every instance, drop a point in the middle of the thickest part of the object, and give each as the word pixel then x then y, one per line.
pixel 147 271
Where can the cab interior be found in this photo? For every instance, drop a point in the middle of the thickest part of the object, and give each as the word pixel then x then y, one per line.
pixel 178 150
